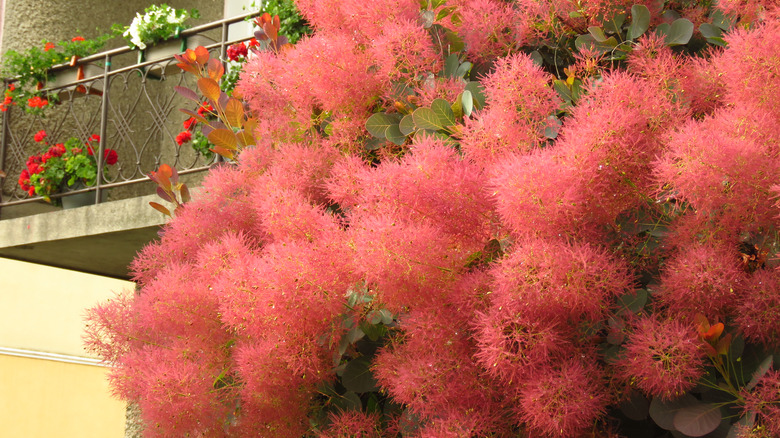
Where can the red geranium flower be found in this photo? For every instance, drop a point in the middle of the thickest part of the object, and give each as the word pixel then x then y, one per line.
pixel 48 46
pixel 206 107
pixel 40 135
pixel 183 137
pixel 94 137
pixel 78 38
pixel 254 43
pixel 189 123
pixel 37 102
pixel 236 51
pixel 111 157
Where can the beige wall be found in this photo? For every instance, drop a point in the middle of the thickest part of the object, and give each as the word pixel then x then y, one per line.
pixel 47 399
pixel 41 311
pixel 42 308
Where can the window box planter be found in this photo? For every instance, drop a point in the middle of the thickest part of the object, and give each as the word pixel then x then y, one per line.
pixel 67 76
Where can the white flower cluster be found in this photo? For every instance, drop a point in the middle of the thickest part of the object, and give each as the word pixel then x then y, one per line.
pixel 157 23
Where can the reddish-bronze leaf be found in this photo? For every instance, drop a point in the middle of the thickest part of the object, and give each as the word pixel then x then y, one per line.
pixel 223 138
pixel 185 193
pixel 187 93
pixel 201 55
pixel 223 152
pixel 163 176
pixel 189 68
pixel 234 113
pixel 196 116
pixel 215 69
pixel 246 138
pixel 209 88
pixel 160 208
pixel 167 196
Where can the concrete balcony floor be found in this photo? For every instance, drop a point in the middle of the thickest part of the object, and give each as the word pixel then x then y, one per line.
pixel 98 239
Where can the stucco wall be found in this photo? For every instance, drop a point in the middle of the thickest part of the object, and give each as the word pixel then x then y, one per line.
pixel 27 22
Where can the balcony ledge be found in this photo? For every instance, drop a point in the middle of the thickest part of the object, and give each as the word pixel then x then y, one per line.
pixel 98 239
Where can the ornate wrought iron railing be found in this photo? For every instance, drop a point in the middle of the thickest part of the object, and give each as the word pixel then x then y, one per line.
pixel 131 105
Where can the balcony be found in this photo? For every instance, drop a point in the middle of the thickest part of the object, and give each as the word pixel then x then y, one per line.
pixel 133 107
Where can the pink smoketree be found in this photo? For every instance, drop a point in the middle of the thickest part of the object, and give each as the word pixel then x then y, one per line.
pixel 476 218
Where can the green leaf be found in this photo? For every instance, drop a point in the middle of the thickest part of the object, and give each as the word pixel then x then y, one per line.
pixel 615 24
pixel 633 302
pixel 640 21
pixel 463 70
pixel 679 33
pixel 563 90
pixel 713 34
pixel 467 101
pixel 378 123
pixel 536 57
pixel 457 107
pixel 387 317
pixel 553 127
pixel 589 41
pixel 709 31
pixel 597 34
pixel 451 65
pixel 406 125
pixel 443 12
pixel 442 109
pixel 395 135
pixel 663 412
pixel 478 93
pixel 426 118
pixel 347 402
pixel 722 21
pixel 697 420
pixel 357 376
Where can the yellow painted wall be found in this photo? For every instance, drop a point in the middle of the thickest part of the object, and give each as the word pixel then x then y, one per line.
pixel 48 399
pixel 42 308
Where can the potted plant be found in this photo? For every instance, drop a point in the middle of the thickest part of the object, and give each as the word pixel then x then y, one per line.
pixel 156 33
pixel 71 165
pixel 33 70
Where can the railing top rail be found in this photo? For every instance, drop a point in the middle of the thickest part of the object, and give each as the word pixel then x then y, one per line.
pixel 191 31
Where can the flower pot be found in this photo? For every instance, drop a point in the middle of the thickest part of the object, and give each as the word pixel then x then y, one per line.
pixel 73 74
pixel 79 199
pixel 164 51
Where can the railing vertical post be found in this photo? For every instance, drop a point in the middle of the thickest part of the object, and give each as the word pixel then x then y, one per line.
pixel 103 127
pixel 4 141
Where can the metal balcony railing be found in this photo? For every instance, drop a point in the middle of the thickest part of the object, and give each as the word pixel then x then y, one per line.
pixel 132 106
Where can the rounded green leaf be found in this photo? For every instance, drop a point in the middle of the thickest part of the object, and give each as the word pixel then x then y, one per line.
pixel 443 110
pixel 407 125
pixel 478 93
pixel 357 376
pixel 640 21
pixel 467 101
pixel 680 32
pixel 347 402
pixel 663 412
pixel 697 420
pixel 426 118
pixel 378 123
pixel 395 135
